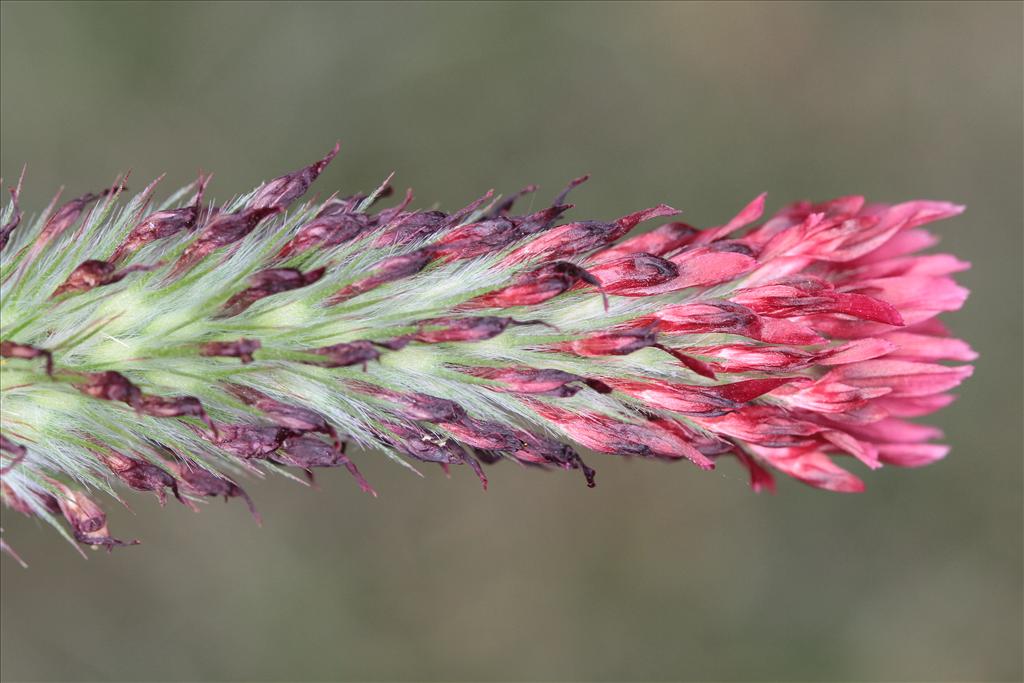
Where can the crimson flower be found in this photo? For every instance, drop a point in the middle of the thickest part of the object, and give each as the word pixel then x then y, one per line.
pixel 175 348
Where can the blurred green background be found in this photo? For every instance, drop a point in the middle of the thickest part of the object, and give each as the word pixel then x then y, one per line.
pixel 662 572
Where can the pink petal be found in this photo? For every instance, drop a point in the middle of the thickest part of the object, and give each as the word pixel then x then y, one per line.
pixel 815 469
pixel 915 406
pixel 911 455
pixel 905 378
pixel 750 213
pixel 926 347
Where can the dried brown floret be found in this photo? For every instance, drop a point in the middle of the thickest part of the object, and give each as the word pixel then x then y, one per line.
pixel 200 482
pixel 283 190
pixel 16 213
pixel 251 442
pixel 180 406
pixel 346 354
pixel 88 522
pixel 240 348
pixel 291 417
pixel 94 273
pixel 269 282
pixel 164 224
pixel 67 215
pixel 112 386
pixel 9 349
pixel 308 452
pixel 140 475
pixel 220 232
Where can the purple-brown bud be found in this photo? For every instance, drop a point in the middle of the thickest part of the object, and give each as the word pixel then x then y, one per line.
pixel 16 214
pixel 388 270
pixel 528 380
pixel 200 482
pixel 504 207
pixel 220 232
pixel 425 446
pixel 495 233
pixel 540 450
pixel 269 282
pixel 283 190
pixel 327 231
pixel 241 348
pixel 346 354
pixel 464 213
pixel 141 475
pixel 468 329
pixel 163 224
pixel 94 273
pixel 573 239
pixel 483 434
pixel 67 215
pixel 538 286
pixel 307 452
pixel 251 442
pixel 181 406
pixel 9 349
pixel 400 227
pixel 112 386
pixel 413 405
pixel 625 341
pixel 13 448
pixel 607 435
pixel 406 228
pixel 291 417
pixel 661 241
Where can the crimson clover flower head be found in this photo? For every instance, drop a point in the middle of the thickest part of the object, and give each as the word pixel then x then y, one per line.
pixel 178 347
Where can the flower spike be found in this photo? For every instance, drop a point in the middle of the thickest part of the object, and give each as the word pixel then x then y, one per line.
pixel 172 351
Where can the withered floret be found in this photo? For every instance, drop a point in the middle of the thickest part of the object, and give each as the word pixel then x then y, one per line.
pixel 141 475
pixel 197 481
pixel 269 282
pixel 308 452
pixel 222 231
pixel 95 273
pixel 110 385
pixel 16 214
pixel 163 224
pixel 240 348
pixel 9 349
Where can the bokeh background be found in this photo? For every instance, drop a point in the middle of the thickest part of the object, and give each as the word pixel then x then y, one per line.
pixel 662 572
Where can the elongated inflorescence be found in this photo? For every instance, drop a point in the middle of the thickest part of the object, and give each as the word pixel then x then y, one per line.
pixel 174 348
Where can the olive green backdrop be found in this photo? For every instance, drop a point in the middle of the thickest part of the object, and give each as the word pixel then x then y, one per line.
pixel 662 572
